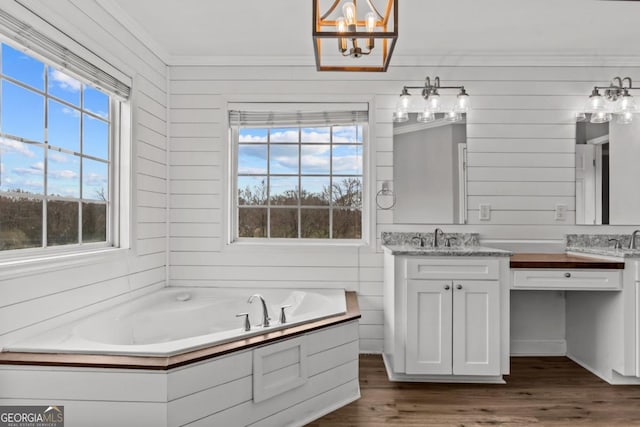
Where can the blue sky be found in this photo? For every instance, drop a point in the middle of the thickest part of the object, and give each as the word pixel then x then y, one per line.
pixel 288 158
pixel 22 114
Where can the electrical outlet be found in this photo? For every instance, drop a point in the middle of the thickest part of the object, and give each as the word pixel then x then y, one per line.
pixel 485 212
pixel 561 213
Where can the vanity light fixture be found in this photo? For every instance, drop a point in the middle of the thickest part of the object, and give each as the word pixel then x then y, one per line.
pixel 368 29
pixel 614 100
pixel 432 103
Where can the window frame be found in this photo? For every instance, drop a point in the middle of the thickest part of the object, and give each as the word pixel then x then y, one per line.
pixel 118 215
pixel 232 202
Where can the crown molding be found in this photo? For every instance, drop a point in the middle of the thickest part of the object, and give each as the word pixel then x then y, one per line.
pixel 444 60
pixel 134 27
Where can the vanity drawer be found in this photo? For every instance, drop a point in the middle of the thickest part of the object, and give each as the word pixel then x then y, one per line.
pixel 567 279
pixel 452 268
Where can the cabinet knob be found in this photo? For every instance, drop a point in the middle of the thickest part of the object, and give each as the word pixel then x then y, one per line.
pixel 567 274
pixel 447 287
pixel 458 286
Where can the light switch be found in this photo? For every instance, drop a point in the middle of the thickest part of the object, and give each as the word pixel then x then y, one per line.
pixel 485 212
pixel 561 212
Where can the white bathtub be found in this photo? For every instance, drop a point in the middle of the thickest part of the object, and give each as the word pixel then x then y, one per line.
pixel 177 320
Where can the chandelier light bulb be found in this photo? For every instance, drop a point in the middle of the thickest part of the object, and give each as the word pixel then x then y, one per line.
pixel 349 12
pixel 452 116
pixel 370 21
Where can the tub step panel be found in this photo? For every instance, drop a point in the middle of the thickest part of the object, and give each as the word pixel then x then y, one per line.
pixel 278 368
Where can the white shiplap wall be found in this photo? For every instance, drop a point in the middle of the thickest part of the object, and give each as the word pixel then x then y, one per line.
pixel 521 161
pixel 32 300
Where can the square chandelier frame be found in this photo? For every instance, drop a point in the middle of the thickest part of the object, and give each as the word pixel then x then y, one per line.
pixel 387 38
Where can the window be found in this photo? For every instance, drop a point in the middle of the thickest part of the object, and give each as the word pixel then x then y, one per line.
pixel 56 161
pixel 299 182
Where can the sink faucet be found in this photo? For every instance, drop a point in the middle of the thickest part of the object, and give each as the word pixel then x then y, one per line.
pixel 265 312
pixel 419 241
pixel 632 243
pixel 435 237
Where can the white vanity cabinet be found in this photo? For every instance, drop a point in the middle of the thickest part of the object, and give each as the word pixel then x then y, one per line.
pixel 446 317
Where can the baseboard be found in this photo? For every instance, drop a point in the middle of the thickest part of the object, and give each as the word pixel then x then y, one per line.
pixel 538 348
pixel 614 378
pixel 465 379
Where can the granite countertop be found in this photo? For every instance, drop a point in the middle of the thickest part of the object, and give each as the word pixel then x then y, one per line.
pixel 445 251
pixel 607 252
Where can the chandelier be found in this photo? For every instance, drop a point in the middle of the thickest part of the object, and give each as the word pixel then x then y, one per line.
pixel 615 100
pixel 431 103
pixel 352 36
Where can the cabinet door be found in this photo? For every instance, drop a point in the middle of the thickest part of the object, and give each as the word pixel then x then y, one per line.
pixel 476 328
pixel 429 323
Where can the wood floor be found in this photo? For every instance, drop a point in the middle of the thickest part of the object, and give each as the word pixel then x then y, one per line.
pixel 549 391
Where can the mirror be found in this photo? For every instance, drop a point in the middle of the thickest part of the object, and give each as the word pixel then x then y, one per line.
pixel 428 171
pixel 607 173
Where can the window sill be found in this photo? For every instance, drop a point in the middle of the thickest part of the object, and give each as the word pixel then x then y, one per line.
pixel 294 243
pixel 37 264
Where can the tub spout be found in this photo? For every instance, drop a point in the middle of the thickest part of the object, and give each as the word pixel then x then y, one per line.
pixel 265 312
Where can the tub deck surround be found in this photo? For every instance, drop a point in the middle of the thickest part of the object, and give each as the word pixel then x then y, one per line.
pixel 164 363
pixel 562 261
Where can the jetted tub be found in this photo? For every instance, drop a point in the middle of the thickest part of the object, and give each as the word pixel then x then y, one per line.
pixel 177 320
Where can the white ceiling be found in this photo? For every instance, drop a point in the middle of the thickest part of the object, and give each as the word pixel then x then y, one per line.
pixel 282 28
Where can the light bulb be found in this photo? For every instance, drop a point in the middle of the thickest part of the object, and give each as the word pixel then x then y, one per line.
pixel 462 102
pixel 349 12
pixel 625 118
pixel 370 21
pixel 627 103
pixel 434 101
pixel 452 116
pixel 341 27
pixel 600 117
pixel 426 116
pixel 596 101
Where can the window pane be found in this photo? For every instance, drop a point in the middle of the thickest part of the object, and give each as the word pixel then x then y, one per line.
pixel 94 222
pixel 347 159
pixel 252 222
pixel 22 67
pixel 284 190
pixel 21 167
pixel 22 112
pixel 20 223
pixel 252 159
pixel 315 191
pixel 252 190
pixel 249 135
pixel 284 159
pixel 95 180
pixel 284 135
pixel 64 87
pixel 347 134
pixel 315 134
pixel 284 223
pixel 347 192
pixel 315 223
pixel 62 223
pixel 63 174
pixel 95 137
pixel 96 102
pixel 347 224
pixel 316 159
pixel 64 126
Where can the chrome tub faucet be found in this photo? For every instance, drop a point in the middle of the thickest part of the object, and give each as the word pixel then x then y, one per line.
pixel 265 312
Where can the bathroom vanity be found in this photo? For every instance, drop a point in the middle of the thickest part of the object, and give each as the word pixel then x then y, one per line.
pixel 446 313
